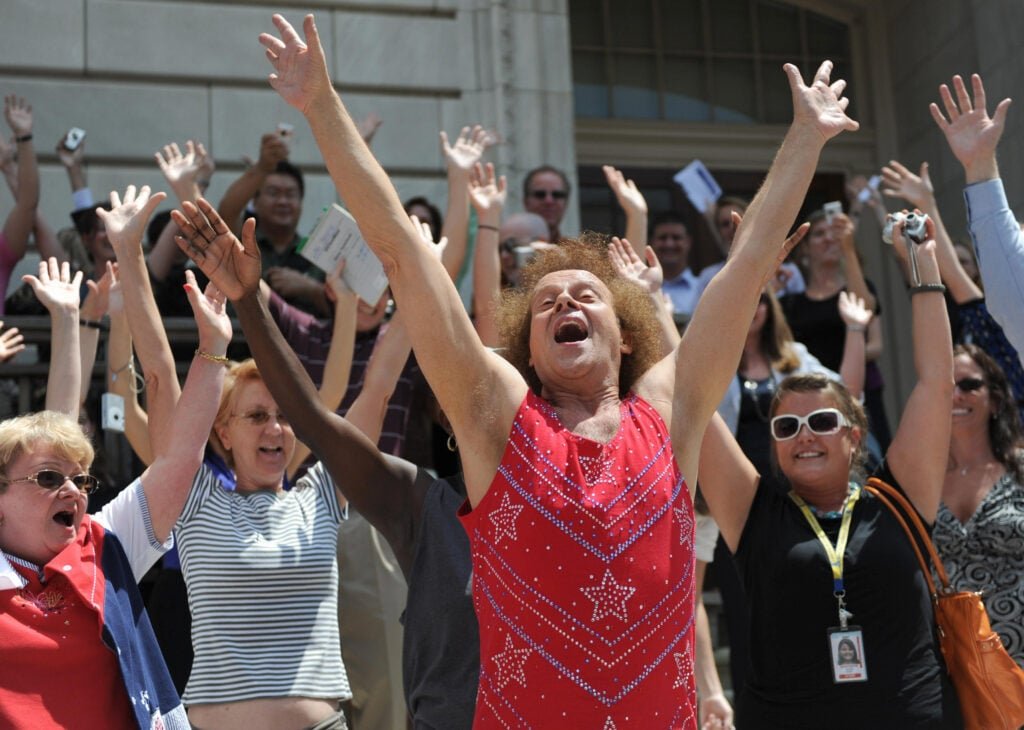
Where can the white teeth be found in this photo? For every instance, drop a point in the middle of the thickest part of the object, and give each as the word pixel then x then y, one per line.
pixel 809 455
pixel 961 411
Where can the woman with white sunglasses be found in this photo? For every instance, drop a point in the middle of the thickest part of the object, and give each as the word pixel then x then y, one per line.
pixel 826 565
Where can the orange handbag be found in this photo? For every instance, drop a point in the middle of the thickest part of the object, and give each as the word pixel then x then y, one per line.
pixel 988 681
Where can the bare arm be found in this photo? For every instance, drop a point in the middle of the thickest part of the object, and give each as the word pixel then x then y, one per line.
pixel 488 195
pixel 21 219
pixel 706 359
pixel 436 320
pixel 918 454
pixel 168 480
pixel 633 205
pixel 126 223
pixel 460 160
pixel 122 381
pixel 844 229
pixel 857 318
pixel 709 687
pixel 385 368
pixel 91 314
pixel 338 364
pixel 58 292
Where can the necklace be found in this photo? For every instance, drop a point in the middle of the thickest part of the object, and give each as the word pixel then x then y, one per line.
pixel 985 464
pixel 833 514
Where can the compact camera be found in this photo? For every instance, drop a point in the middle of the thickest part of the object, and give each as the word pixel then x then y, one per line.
pixel 914 228
pixel 112 412
pixel 73 138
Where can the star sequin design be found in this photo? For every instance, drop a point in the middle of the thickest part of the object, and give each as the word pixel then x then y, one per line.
pixel 597 469
pixel 685 520
pixel 504 518
pixel 609 597
pixel 609 724
pixel 509 664
pixel 684 664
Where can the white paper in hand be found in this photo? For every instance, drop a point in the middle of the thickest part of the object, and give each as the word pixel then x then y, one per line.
pixel 337 237
pixel 698 184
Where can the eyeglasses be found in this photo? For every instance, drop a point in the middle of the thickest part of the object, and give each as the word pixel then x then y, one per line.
pixel 542 194
pixel 50 479
pixel 262 418
pixel 279 194
pixel 969 385
pixel 823 422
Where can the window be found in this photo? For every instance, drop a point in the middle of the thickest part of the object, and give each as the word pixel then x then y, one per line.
pixel 696 60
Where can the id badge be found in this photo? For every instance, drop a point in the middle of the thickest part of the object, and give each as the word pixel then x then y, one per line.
pixel 846 647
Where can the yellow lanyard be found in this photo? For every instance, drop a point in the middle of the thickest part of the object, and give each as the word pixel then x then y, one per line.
pixel 834 553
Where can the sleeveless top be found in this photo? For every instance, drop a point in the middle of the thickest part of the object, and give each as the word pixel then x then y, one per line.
pixel 583 578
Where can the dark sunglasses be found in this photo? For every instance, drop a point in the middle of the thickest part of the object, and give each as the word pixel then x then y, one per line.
pixel 541 194
pixel 969 385
pixel 50 479
pixel 822 422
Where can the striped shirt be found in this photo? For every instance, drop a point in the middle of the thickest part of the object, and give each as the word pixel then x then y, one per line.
pixel 262 580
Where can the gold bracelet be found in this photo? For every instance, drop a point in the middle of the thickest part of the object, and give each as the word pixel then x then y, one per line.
pixel 213 358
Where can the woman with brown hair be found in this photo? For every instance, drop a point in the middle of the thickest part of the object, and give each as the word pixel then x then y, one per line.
pixel 979 531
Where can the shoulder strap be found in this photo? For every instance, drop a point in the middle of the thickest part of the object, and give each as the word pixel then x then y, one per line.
pixel 890 497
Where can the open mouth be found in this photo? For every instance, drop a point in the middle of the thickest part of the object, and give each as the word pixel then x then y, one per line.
pixel 570 330
pixel 809 455
pixel 65 518
pixel 271 450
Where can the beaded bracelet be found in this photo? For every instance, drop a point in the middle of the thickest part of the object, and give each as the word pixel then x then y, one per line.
pixel 925 288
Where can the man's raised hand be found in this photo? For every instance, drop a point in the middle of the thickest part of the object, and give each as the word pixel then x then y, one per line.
pixel 821 105
pixel 971 133
pixel 300 69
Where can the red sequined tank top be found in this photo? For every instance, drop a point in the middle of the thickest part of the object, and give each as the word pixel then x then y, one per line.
pixel 583 578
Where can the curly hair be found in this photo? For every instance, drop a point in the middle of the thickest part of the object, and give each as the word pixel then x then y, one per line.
pixel 1004 428
pixel 634 309
pixel 842 400
pixel 46 429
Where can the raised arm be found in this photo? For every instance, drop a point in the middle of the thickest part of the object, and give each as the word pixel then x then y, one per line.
pixel 437 322
pixel 728 480
pixel 273 149
pixel 711 347
pixel 378 486
pixel 633 205
pixel 21 219
pixel 90 322
pixel 460 159
pixel 122 379
pixel 843 229
pixel 649 277
pixel 338 363
pixel 857 317
pixel 58 292
pixel 917 190
pixel 488 195
pixel 973 137
pixel 918 454
pixel 168 480
pixel 126 224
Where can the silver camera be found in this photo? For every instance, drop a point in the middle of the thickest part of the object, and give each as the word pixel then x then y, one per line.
pixel 914 228
pixel 112 412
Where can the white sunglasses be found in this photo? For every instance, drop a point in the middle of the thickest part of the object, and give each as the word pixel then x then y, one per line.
pixel 823 422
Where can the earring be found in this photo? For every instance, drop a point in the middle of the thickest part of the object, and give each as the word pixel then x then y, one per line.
pixel 452 446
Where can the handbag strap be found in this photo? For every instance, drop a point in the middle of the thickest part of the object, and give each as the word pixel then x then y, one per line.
pixel 888 495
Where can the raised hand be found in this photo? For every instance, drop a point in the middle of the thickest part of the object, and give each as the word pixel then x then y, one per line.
pixel 233 265
pixel 126 221
pixel 70 158
pixel 368 126
pixel 648 276
pixel 853 311
pixel 900 182
pixel 97 299
pixel 11 343
pixel 115 298
pixel 821 105
pixel 18 113
pixel 469 147
pixel 206 164
pixel 300 69
pixel 211 313
pixel 273 149
pixel 626 192
pixel 486 192
pixel 55 288
pixel 337 289
pixel 181 170
pixel 788 245
pixel 427 236
pixel 971 133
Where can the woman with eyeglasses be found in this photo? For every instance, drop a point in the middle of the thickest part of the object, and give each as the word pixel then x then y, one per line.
pixel 827 562
pixel 980 527
pixel 78 649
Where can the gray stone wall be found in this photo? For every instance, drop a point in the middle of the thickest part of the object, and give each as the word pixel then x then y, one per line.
pixel 136 74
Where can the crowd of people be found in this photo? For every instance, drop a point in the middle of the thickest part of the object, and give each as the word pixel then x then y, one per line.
pixel 431 513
